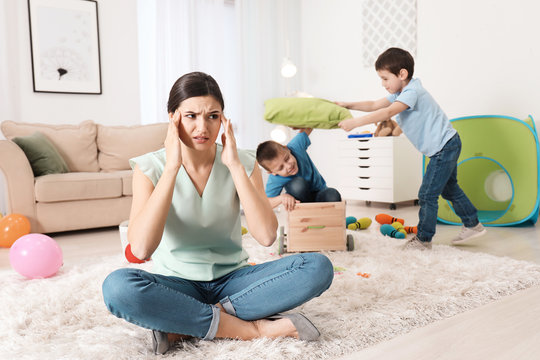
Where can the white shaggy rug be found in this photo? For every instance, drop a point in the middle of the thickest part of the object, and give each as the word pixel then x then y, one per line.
pixel 64 317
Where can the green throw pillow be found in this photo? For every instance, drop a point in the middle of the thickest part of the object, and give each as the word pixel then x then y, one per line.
pixel 305 112
pixel 42 155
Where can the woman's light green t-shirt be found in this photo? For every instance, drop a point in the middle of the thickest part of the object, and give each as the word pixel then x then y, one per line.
pixel 202 239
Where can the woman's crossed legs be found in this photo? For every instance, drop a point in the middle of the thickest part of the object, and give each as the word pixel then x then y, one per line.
pixel 233 306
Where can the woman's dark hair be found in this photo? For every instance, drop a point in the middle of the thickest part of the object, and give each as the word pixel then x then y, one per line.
pixel 395 59
pixel 191 85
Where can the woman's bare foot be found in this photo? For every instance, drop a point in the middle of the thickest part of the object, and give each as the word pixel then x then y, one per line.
pixel 177 337
pixel 276 328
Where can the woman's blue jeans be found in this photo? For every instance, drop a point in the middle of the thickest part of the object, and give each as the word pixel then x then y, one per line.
pixel 175 305
pixel 440 178
pixel 300 190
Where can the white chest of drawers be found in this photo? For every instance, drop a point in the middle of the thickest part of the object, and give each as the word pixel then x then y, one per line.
pixel 382 169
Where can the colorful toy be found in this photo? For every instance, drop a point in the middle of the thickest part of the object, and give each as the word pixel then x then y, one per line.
pixel 244 231
pixel 360 224
pixel 35 256
pixel 389 230
pixel 498 171
pixel 399 227
pixel 12 227
pixel 349 220
pixel 411 229
pixel 132 258
pixel 388 128
pixel 387 219
pixel 364 275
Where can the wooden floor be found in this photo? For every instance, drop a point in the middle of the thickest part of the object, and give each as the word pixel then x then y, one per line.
pixel 505 329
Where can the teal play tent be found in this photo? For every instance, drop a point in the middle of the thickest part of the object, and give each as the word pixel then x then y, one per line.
pixel 498 169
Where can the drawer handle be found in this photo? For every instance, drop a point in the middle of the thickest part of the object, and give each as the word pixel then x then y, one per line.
pixel 363 149
pixel 363 177
pixel 313 227
pixel 364 188
pixel 363 157
pixel 363 166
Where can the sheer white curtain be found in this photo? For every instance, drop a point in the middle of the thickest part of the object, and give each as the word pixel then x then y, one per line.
pixel 240 43
pixel 180 36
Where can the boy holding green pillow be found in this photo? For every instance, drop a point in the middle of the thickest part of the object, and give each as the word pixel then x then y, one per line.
pixel 290 167
pixel 427 127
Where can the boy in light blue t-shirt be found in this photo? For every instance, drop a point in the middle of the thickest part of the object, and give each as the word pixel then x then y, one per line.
pixel 291 168
pixel 427 127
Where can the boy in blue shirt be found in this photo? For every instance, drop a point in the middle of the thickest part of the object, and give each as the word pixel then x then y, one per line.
pixel 290 167
pixel 427 127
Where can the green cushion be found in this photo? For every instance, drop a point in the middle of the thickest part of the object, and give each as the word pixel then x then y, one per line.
pixel 42 155
pixel 305 112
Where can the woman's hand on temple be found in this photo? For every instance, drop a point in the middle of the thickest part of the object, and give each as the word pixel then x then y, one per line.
pixel 172 142
pixel 229 156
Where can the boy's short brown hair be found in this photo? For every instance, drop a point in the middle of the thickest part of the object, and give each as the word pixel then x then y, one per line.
pixel 268 151
pixel 395 59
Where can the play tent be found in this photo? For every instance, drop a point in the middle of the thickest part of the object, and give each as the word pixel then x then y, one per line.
pixel 498 169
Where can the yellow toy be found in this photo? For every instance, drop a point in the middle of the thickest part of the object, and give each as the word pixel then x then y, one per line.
pixel 399 227
pixel 360 224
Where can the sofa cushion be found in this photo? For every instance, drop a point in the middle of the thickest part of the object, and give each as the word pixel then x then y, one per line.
pixel 75 143
pixel 127 179
pixel 42 155
pixel 118 144
pixel 78 186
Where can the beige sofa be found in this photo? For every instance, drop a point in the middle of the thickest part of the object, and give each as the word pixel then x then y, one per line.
pixel 96 192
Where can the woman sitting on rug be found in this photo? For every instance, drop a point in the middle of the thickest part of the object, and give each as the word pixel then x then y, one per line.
pixel 186 216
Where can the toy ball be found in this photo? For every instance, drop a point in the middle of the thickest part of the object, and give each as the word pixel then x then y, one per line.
pixel 12 227
pixel 132 258
pixel 349 220
pixel 35 256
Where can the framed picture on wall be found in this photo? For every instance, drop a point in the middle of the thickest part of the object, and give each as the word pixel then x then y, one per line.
pixel 64 42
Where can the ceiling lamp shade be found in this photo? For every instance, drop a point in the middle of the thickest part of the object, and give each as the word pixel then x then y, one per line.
pixel 288 69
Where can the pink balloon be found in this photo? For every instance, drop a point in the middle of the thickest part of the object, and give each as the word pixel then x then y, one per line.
pixel 35 256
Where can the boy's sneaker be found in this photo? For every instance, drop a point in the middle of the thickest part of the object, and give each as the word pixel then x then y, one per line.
pixel 414 243
pixel 469 233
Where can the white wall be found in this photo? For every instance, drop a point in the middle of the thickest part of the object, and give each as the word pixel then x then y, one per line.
pixel 119 103
pixel 475 57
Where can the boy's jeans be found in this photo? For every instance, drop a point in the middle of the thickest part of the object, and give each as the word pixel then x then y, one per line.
pixel 440 178
pixel 175 305
pixel 300 190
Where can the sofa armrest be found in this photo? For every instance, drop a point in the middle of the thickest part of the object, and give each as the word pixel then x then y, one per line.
pixel 19 181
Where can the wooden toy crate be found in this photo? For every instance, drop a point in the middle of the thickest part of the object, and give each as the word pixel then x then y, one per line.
pixel 316 227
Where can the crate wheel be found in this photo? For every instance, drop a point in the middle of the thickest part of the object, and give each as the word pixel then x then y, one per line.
pixel 350 242
pixel 281 241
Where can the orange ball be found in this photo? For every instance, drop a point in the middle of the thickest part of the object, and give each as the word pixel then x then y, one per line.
pixel 12 227
pixel 132 258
